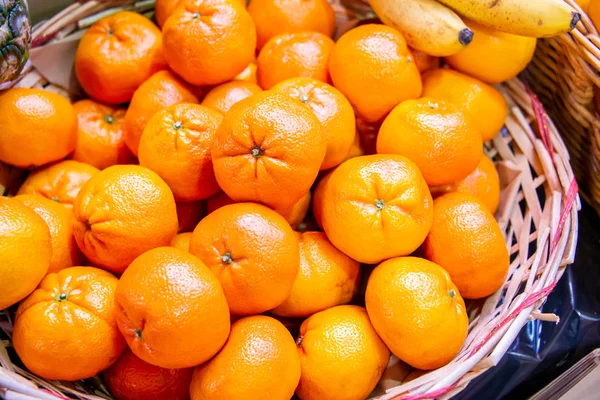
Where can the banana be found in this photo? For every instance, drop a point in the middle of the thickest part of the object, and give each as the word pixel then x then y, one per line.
pixel 534 18
pixel 427 25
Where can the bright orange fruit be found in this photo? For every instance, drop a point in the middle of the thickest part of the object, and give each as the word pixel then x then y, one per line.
pixel 466 241
pixel 366 49
pixel 176 145
pixel 291 55
pixel 417 311
pixel 376 207
pixel 254 253
pixel 268 149
pixel 224 96
pixel 171 309
pixel 116 54
pixel 70 320
pixel 332 109
pixel 436 136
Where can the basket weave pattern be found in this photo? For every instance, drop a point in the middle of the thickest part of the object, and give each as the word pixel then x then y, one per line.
pixel 537 213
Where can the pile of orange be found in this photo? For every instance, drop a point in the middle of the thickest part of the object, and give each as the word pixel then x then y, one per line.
pixel 199 225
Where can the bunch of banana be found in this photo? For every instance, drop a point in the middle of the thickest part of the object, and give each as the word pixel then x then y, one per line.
pixel 435 28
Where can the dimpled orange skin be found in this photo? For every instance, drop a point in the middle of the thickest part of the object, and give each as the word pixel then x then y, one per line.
pixel 483 183
pixel 182 241
pixel 189 214
pixel 208 42
pixel 171 309
pixel 481 103
pixel 176 145
pixel 122 212
pixel 131 378
pixel 377 207
pixel 159 91
pixel 117 54
pixel 332 109
pixel 273 17
pixel 59 182
pixel 224 96
pixel 164 9
pixel 59 219
pixel 69 321
pixel 360 52
pixel 417 311
pixel 291 55
pixel 253 251
pixel 258 349
pixel 436 136
pixel 466 241
pixel 268 149
pixel 493 56
pixel 25 250
pixel 342 357
pixel 101 136
pixel 293 214
pixel 326 278
pixel 318 199
pixel 38 127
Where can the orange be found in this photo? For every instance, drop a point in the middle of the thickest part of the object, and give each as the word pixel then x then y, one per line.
pixel 585 5
pixel 164 9
pixel 131 378
pixel 466 241
pixel 274 17
pixel 254 253
pixel 482 183
pixel 208 42
pixel 291 55
pixel 248 74
pixel 481 103
pixel 59 219
pixel 268 149
pixel 66 329
pixel 332 109
pixel 424 61
pixel 182 241
pixel 25 251
pixel 341 356
pixel 435 135
pixel 417 311
pixel 117 54
pixel 366 49
pixel 376 207
pixel 101 137
pixel 259 348
pixel 171 309
pixel 122 212
pixel 592 9
pixel 326 278
pixel 38 127
pixel 493 56
pixel 60 182
pixel 318 199
pixel 176 145
pixel 189 214
pixel 159 91
pixel 293 214
pixel 226 95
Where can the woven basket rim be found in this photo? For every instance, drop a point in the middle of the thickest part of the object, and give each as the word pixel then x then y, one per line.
pixel 531 158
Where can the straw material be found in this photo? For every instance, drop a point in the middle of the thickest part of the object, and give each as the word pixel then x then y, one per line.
pixel 537 213
pixel 565 75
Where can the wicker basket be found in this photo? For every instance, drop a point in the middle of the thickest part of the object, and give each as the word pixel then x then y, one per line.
pixel 538 208
pixel 565 75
